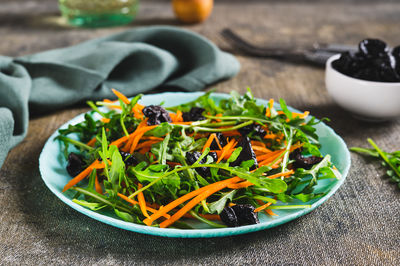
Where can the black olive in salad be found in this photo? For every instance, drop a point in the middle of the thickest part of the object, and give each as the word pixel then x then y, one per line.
pixel 156 115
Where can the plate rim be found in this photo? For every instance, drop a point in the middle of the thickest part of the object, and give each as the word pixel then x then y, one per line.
pixel 192 233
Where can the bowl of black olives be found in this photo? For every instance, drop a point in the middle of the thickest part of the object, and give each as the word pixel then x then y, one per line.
pixel 366 82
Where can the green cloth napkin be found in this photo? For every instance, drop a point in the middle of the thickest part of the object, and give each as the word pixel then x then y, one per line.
pixel 134 61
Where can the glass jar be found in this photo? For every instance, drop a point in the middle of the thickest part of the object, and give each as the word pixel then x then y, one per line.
pixel 98 13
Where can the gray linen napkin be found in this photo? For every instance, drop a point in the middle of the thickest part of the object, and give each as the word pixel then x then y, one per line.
pixel 134 61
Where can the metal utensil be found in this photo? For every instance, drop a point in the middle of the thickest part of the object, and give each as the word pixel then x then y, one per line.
pixel 318 53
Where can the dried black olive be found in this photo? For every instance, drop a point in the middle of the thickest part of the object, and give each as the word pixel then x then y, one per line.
pixel 192 157
pixel 372 47
pixel 304 162
pixel 222 141
pixel 245 214
pixel 75 164
pixel 128 158
pixel 246 154
pixel 156 115
pixel 256 129
pixel 228 217
pixel 344 64
pixel 195 114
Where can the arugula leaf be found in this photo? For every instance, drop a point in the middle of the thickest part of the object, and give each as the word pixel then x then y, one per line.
pixel 94 206
pixel 219 205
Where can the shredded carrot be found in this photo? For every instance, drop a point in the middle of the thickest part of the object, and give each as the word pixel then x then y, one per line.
pixel 243 184
pixel 226 148
pixel 138 111
pixel 192 203
pixel 134 202
pixel 122 97
pixel 92 142
pixel 142 202
pixel 297 115
pixel 231 133
pixel 127 145
pixel 270 212
pixel 146 144
pixel 148 221
pixel 219 115
pixel 231 204
pixel 258 143
pixel 112 106
pixel 260 148
pixel 105 120
pixel 212 137
pixel 262 207
pixel 138 134
pixel 177 117
pixel 287 173
pixel 97 185
pixel 271 136
pixel 269 107
pixel 173 163
pixel 152 138
pixel 80 176
pixel 119 141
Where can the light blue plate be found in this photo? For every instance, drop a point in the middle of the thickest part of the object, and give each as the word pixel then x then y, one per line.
pixel 52 167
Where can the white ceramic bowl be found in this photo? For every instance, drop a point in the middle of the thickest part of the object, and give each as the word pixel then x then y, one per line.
pixel 369 100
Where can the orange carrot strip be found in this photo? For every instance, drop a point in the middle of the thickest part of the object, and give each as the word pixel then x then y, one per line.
pixel 105 120
pixel 121 96
pixel 92 142
pixel 127 145
pixel 240 185
pixel 209 141
pixel 271 212
pixel 176 117
pixel 146 144
pixel 260 148
pixel 231 133
pixel 97 185
pixel 271 136
pixel 152 138
pixel 177 202
pixel 138 111
pixel 142 202
pixel 191 204
pixel 80 176
pixel 119 141
pixel 134 202
pixel 173 163
pixel 139 133
pixel 225 149
pixel 219 115
pixel 269 107
pixel 262 207
pixel 112 106
pixel 258 143
pixel 281 174
pixel 276 164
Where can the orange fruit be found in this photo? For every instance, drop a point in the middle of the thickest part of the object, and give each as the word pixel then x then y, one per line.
pixel 192 11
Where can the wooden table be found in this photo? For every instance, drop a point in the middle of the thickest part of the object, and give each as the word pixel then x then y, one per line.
pixel 358 225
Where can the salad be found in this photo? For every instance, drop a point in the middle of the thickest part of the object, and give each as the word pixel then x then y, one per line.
pixel 220 163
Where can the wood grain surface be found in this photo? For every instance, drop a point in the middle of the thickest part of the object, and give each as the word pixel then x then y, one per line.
pixel 359 225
